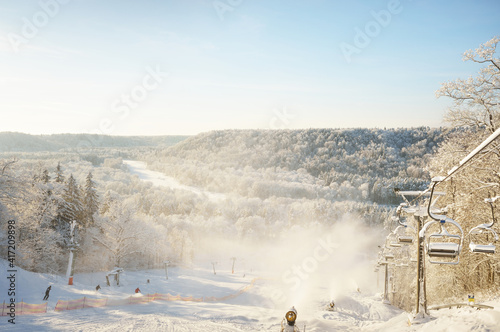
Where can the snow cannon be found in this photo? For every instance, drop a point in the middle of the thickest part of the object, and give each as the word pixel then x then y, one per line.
pixel 330 306
pixel 288 323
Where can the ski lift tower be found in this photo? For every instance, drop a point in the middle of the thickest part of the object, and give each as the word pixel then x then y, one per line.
pixel 419 213
pixel 166 263
pixel 421 298
pixel 72 247
pixel 234 260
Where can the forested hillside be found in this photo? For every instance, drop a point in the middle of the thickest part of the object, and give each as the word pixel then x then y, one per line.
pixel 354 164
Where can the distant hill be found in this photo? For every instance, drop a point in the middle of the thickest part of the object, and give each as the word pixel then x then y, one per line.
pixel 19 142
pixel 355 163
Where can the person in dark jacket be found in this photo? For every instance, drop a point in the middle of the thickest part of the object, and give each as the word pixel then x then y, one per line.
pixel 97 288
pixel 46 297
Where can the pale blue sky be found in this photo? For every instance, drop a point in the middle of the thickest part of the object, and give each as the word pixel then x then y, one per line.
pixel 79 66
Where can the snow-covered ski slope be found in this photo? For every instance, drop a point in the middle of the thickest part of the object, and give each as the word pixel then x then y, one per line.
pixel 258 309
pixel 140 169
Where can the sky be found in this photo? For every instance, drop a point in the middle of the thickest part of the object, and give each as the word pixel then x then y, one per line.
pixel 181 67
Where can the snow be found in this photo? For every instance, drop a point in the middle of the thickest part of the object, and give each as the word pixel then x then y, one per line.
pixel 254 310
pixel 140 169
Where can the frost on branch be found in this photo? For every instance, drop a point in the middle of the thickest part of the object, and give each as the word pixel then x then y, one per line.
pixel 476 99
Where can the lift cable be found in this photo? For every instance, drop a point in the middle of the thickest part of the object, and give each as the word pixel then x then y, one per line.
pixel 463 162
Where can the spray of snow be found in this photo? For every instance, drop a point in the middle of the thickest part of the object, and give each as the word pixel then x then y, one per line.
pixel 308 267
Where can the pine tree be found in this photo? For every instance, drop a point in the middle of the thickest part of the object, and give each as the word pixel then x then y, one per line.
pixel 90 201
pixel 72 208
pixel 59 174
pixel 45 176
pixel 34 211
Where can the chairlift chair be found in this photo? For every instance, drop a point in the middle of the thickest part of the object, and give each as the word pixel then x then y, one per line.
pixel 476 233
pixel 388 256
pixel 402 238
pixel 443 244
pixel 405 239
pixel 393 241
pixel 445 249
pixel 442 247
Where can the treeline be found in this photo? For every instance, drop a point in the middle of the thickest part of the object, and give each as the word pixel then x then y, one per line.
pixel 19 142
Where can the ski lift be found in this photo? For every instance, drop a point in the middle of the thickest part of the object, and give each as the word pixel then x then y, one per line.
pixel 483 229
pixel 403 237
pixel 386 253
pixel 391 240
pixel 442 247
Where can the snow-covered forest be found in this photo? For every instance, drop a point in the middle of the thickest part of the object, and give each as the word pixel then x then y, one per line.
pixel 270 181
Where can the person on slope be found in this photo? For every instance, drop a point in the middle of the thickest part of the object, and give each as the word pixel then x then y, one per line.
pixel 137 290
pixel 47 291
pixel 288 323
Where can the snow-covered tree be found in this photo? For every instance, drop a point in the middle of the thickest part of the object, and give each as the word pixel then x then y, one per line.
pixel 39 244
pixel 72 208
pixel 476 100
pixel 119 232
pixel 90 201
pixel 8 181
pixel 59 174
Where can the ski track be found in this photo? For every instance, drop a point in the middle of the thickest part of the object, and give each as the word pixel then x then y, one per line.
pixel 140 169
pixel 251 311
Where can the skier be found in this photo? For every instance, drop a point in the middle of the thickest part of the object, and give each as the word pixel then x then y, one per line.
pixel 46 297
pixel 288 323
pixel 97 288
pixel 137 290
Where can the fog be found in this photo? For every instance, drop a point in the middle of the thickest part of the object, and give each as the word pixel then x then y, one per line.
pixel 306 266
